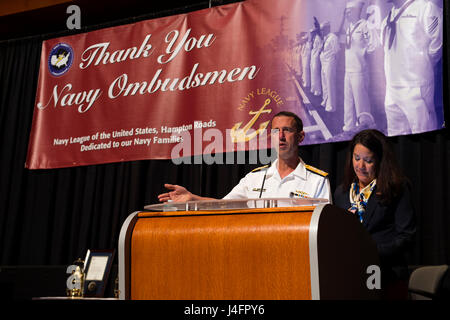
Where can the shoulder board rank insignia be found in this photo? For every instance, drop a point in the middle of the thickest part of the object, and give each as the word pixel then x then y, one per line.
pixel 299 194
pixel 260 168
pixel 315 170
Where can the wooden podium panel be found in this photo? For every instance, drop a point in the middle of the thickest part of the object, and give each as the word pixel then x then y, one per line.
pixel 251 254
pixel 221 256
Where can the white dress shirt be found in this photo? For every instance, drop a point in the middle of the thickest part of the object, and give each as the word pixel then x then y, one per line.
pixel 304 182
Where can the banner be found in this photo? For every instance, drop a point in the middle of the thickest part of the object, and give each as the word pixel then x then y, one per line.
pixel 210 81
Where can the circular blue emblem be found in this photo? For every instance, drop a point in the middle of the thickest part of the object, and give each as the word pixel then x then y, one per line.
pixel 60 59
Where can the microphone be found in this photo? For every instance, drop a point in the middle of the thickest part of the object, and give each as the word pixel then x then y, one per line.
pixel 264 180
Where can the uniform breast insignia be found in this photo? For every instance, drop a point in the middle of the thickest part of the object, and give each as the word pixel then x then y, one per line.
pixel 299 194
pixel 260 168
pixel 315 170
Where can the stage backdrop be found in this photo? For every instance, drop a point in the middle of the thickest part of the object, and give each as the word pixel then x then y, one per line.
pixel 209 81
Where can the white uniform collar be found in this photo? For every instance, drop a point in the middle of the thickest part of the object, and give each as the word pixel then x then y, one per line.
pixel 272 169
pixel 353 25
pixel 299 171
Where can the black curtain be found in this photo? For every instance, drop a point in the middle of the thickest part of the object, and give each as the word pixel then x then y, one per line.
pixel 51 217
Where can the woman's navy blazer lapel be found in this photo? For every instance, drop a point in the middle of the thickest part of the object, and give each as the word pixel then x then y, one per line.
pixel 372 205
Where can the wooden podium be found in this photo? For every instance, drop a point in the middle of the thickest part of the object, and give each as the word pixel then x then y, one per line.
pixel 301 252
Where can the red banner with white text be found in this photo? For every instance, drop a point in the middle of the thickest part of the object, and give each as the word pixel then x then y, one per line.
pixel 205 82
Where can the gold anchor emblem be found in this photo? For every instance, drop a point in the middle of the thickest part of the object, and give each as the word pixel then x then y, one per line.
pixel 240 135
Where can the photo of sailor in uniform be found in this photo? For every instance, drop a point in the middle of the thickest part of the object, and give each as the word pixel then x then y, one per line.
pixel 317 46
pixel 359 41
pixel 362 64
pixel 306 59
pixel 411 36
pixel 328 62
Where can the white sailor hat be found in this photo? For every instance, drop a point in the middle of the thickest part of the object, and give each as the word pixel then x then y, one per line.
pixel 324 24
pixel 354 3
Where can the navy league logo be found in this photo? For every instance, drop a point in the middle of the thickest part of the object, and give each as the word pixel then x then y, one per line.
pixel 60 59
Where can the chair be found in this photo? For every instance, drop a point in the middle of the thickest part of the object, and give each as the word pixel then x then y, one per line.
pixel 425 282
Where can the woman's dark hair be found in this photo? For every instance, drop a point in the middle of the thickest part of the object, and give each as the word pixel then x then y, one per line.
pixel 390 179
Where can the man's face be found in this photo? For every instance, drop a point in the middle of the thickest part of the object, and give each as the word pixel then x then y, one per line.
pixel 286 137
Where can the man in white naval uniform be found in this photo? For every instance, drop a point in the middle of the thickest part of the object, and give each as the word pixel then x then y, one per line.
pixel 306 60
pixel 411 35
pixel 359 40
pixel 287 177
pixel 316 82
pixel 295 56
pixel 328 61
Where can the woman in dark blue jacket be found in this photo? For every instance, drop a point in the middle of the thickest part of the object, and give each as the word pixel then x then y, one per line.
pixel 378 194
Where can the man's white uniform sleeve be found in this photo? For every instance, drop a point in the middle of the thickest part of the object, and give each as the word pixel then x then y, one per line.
pixel 239 191
pixel 324 190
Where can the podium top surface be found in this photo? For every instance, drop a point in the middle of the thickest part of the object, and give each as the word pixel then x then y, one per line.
pixel 235 204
